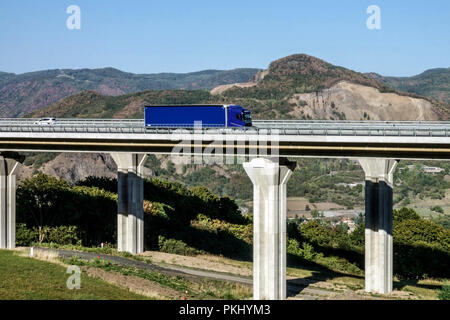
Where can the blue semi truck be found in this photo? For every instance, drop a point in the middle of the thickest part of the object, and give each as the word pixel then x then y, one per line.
pixel 186 116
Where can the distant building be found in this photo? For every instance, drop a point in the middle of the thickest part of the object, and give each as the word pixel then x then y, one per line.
pixel 351 185
pixel 432 170
pixel 350 223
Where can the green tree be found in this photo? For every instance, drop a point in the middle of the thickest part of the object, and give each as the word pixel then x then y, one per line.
pixel 405 214
pixel 315 232
pixel 421 247
pixel 37 200
pixel 357 236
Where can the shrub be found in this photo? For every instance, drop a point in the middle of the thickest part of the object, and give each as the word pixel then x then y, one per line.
pixel 159 209
pixel 314 232
pixel 420 260
pixel 306 252
pixel 62 235
pixel 421 247
pixel 107 184
pixel 437 209
pixel 422 231
pixel 175 246
pixel 444 293
pixel 25 236
pixel 292 230
pixel 357 237
pixel 303 103
pixel 338 264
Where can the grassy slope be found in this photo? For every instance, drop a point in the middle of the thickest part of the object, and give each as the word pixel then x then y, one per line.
pixel 30 279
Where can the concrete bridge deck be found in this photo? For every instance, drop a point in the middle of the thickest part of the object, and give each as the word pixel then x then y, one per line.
pixel 396 140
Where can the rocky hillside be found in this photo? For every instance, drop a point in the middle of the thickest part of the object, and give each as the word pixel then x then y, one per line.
pixel 433 83
pixel 351 101
pixel 304 87
pixel 24 93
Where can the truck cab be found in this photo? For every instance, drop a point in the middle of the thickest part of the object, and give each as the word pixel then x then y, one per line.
pixel 238 116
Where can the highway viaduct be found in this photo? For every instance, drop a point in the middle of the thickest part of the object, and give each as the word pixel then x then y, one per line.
pixel 263 150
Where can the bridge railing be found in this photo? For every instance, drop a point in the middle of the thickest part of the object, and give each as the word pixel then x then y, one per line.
pixel 312 130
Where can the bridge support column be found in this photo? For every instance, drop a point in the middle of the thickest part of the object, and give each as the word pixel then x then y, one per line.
pixel 269 226
pixel 378 216
pixel 9 164
pixel 130 211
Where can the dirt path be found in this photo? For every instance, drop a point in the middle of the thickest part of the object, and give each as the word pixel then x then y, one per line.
pixel 204 262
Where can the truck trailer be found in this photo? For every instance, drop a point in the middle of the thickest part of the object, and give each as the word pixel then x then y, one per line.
pixel 188 116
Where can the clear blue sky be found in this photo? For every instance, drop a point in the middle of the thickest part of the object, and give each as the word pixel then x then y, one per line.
pixel 182 36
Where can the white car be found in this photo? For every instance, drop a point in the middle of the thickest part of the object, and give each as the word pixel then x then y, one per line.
pixel 45 121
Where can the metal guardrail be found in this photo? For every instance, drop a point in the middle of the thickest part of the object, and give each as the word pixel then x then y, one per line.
pixel 311 130
pixel 256 122
pixel 282 127
pixel 355 121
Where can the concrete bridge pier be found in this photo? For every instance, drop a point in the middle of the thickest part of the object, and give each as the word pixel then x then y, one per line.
pixel 130 211
pixel 378 232
pixel 269 178
pixel 9 163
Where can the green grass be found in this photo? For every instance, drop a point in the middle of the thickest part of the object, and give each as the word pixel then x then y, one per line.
pixel 104 250
pixel 23 278
pixel 177 283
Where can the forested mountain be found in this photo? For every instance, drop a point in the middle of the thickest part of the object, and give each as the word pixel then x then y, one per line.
pixel 24 93
pixel 433 83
